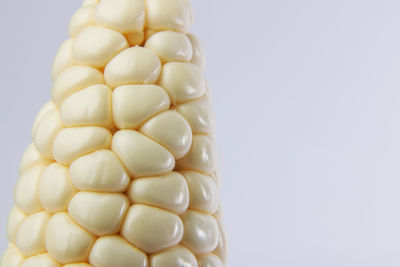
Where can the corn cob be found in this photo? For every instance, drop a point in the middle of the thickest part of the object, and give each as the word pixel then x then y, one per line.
pixel 121 171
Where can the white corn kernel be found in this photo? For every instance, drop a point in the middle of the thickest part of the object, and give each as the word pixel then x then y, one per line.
pixel 90 106
pixel 170 46
pixel 55 188
pixel 42 260
pixel 169 15
pixel 201 234
pixel 198 53
pixel 64 58
pixel 95 46
pixel 12 257
pixel 199 115
pixel 210 260
pixel 74 79
pixel 99 171
pixel 46 132
pixel 99 213
pixel 72 143
pixel 134 65
pixel 43 110
pixel 31 234
pixel 82 19
pixel 174 257
pixel 183 81
pixel 134 104
pixel 152 229
pixel 141 155
pixel 201 157
pixel 31 157
pixel 171 130
pixel 203 192
pixel 168 191
pixel 15 218
pixel 26 194
pixel 114 251
pixel 125 16
pixel 66 241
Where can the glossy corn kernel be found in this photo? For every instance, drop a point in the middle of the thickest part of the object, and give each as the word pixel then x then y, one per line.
pixel 122 170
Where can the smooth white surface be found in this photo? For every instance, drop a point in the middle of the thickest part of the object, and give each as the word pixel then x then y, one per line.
pixel 312 87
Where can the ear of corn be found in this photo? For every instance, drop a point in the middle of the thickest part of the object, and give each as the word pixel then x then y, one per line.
pixel 122 169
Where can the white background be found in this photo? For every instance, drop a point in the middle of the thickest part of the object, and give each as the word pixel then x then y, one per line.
pixel 307 99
